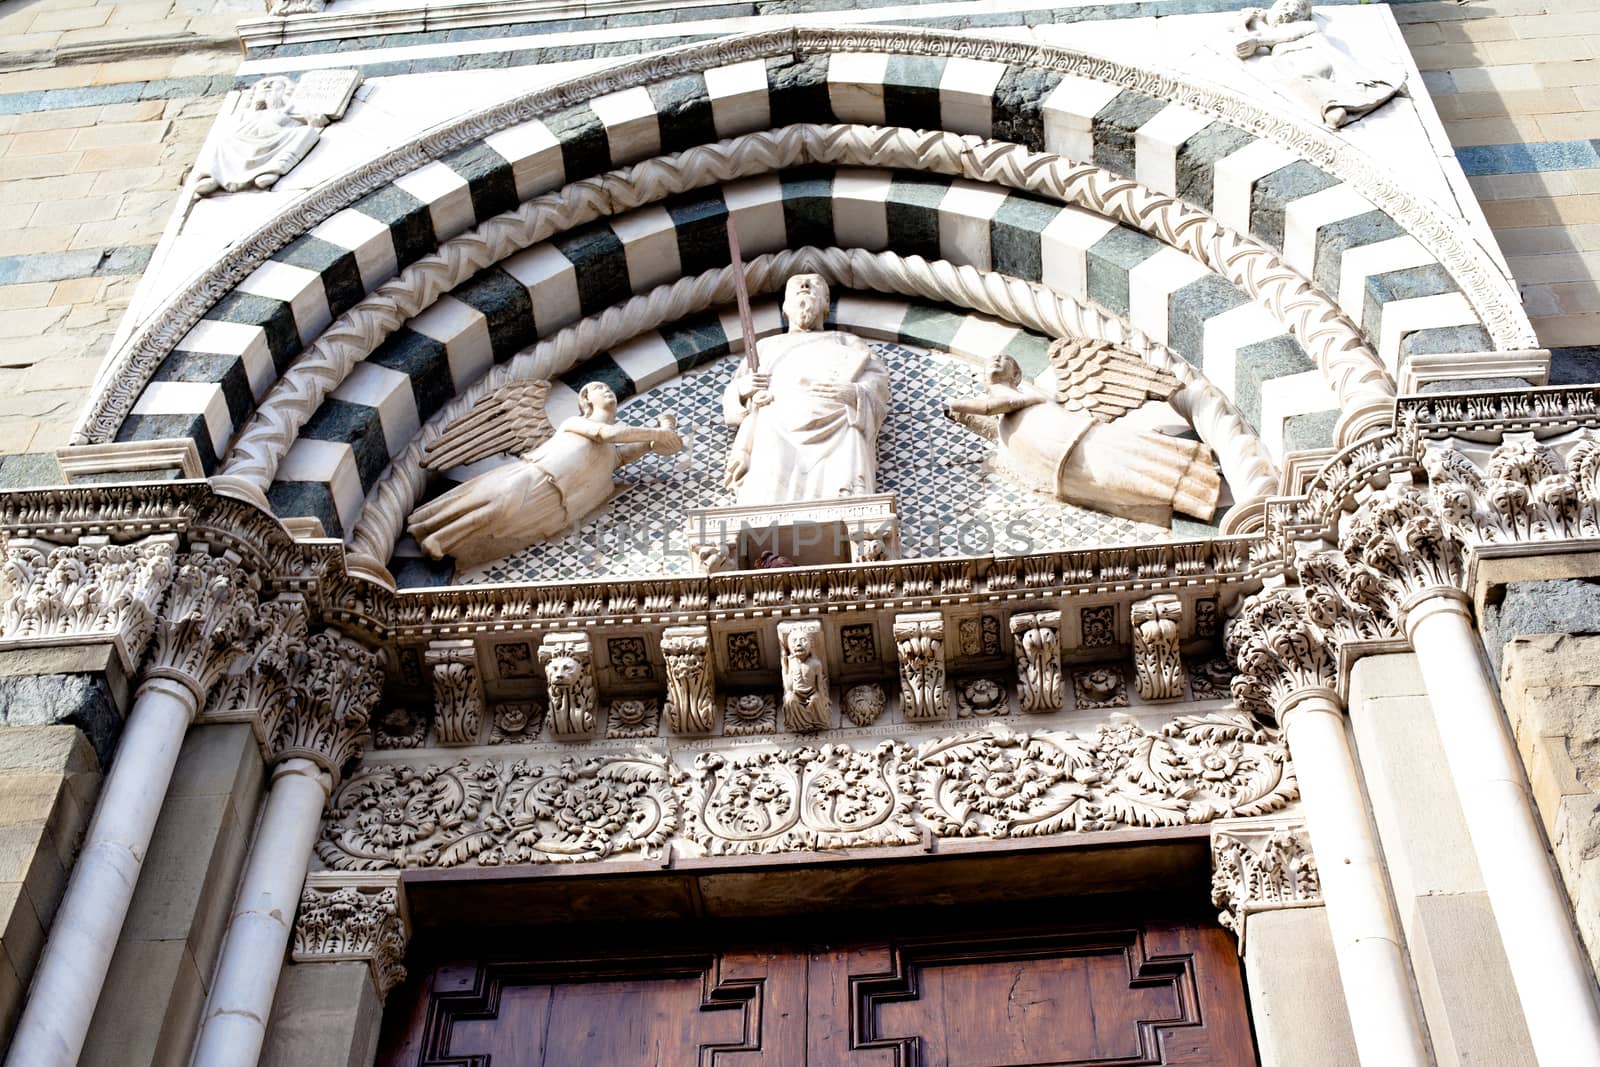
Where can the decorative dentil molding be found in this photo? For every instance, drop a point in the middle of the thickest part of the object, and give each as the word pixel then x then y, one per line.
pixel 1157 662
pixel 1260 866
pixel 89 590
pixel 359 917
pixel 919 647
pixel 457 691
pixel 207 618
pixel 337 683
pixel 1036 639
pixel 992 783
pixel 569 674
pixel 807 702
pixel 691 683
pixel 1279 651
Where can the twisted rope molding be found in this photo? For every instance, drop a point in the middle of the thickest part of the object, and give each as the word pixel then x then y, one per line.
pixel 1244 461
pixel 1488 291
pixel 1334 342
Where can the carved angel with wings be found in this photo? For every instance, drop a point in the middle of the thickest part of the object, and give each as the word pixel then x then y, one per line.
pixel 1058 434
pixel 565 476
pixel 272 129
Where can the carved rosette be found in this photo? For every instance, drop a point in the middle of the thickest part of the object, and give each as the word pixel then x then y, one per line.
pixel 206 620
pixel 353 918
pixel 569 676
pixel 1036 638
pixel 337 684
pixel 691 696
pixel 826 797
pixel 491 813
pixel 1526 491
pixel 1157 663
pixel 1278 650
pixel 85 591
pixel 807 704
pixel 457 691
pixel 1260 867
pixel 260 682
pixel 919 644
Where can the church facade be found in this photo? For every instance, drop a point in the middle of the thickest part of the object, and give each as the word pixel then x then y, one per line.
pixel 925 534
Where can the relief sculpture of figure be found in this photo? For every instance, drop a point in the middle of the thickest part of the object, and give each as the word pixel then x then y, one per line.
pixel 273 129
pixel 807 417
pixel 1058 434
pixel 547 490
pixel 1311 67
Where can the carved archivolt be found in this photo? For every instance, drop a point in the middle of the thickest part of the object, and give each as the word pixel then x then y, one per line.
pixel 993 783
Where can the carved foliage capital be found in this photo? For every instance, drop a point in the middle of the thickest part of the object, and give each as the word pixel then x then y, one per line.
pixel 1258 866
pixel 1525 490
pixel 260 684
pixel 1279 650
pixel 205 621
pixel 354 917
pixel 1402 545
pixel 337 683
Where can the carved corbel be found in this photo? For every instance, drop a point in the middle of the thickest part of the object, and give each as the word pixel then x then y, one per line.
pixel 206 620
pixel 1279 651
pixel 569 674
pixel 691 696
pixel 337 682
pixel 93 590
pixel 807 704
pixel 354 916
pixel 919 645
pixel 1261 866
pixel 1157 663
pixel 457 691
pixel 1036 639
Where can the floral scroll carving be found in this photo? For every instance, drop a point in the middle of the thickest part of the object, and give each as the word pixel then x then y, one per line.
pixel 490 812
pixel 919 644
pixel 1157 663
pixel 1260 866
pixel 691 685
pixel 457 691
pixel 1036 636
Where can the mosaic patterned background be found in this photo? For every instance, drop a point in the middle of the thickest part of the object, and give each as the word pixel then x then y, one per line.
pixel 951 502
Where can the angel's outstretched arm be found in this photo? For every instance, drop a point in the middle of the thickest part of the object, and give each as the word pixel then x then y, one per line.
pixel 998 400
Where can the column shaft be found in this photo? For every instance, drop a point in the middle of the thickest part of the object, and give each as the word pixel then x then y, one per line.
pixel 258 932
pixel 72 971
pixel 1552 978
pixel 1366 939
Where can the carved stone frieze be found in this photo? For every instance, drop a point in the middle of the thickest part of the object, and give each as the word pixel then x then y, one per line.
pixel 1258 866
pixel 490 813
pixel 206 620
pixel 919 645
pixel 807 704
pixel 569 675
pixel 691 685
pixel 1157 663
pixel 457 691
pixel 336 684
pixel 345 917
pixel 1036 637
pixel 85 591
pixel 990 782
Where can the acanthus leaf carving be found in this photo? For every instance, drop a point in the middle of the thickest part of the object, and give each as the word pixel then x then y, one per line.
pixel 1036 636
pixel 354 918
pixel 1403 543
pixel 206 619
pixel 1157 662
pixel 919 645
pixel 1278 650
pixel 691 686
pixel 1525 491
pixel 569 676
pixel 261 680
pixel 1259 866
pixel 457 691
pixel 337 683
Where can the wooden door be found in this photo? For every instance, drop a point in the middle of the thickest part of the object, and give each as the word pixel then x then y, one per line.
pixel 880 996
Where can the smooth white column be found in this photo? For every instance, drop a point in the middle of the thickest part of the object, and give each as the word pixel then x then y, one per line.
pixel 1366 938
pixel 72 971
pixel 258 932
pixel 1532 912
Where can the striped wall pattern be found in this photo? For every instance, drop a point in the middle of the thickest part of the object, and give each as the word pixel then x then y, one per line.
pixel 209 385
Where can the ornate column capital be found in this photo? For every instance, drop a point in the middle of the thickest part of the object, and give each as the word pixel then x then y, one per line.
pixel 336 683
pixel 1280 652
pixel 1261 865
pixel 90 590
pixel 1523 491
pixel 354 916
pixel 262 679
pixel 206 619
pixel 1405 550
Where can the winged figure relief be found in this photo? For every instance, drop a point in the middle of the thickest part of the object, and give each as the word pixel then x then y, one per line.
pixel 561 473
pixel 1059 434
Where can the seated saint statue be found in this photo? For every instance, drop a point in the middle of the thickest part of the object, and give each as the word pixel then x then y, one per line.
pixel 807 418
pixel 262 142
pixel 1063 440
pixel 1310 66
pixel 546 491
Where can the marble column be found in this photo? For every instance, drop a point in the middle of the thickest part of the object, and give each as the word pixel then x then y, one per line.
pixel 205 620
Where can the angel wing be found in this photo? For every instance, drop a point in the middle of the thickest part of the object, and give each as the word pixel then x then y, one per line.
pixel 1105 381
pixel 510 419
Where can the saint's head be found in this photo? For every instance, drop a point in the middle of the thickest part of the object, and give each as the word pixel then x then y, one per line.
pixel 596 401
pixel 1003 370
pixel 269 93
pixel 805 302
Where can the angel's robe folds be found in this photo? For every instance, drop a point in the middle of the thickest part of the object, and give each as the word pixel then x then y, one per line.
pixel 802 445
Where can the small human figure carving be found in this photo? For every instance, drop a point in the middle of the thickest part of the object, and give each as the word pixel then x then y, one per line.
pixel 807 415
pixel 1311 66
pixel 275 127
pixel 805 681
pixel 1058 434
pixel 546 491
